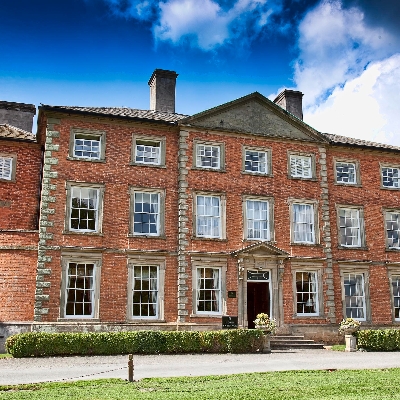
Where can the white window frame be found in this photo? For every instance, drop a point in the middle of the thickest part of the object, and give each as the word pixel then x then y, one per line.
pixel 298 168
pixel 208 146
pixel 213 263
pixel 99 189
pixel 152 142
pixel 312 225
pixel 249 220
pixel 357 212
pixel 146 260
pixel 340 163
pixel 220 218
pixel 392 223
pixel 259 171
pixel 67 260
pixel 317 292
pixel 160 215
pixel 88 135
pixel 350 300
pixel 395 169
pixel 394 281
pixel 8 163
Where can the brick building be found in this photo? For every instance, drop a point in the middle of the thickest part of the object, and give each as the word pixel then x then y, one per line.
pixel 157 220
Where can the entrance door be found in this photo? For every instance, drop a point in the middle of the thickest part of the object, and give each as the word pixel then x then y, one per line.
pixel 258 301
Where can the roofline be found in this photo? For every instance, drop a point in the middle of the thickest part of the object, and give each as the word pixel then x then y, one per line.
pixel 92 113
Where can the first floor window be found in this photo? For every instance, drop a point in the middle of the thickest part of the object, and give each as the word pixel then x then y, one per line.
pixel 396 296
pixel 257 219
pixel 6 168
pixel 146 214
pixel 256 161
pixel 392 230
pixel 391 177
pixel 346 173
pixel 306 293
pixel 208 290
pixel 208 156
pixel 354 292
pixel 148 152
pixel 145 291
pixel 303 223
pixel 84 208
pixel 208 218
pixel 350 227
pixel 300 166
pixel 80 290
pixel 87 146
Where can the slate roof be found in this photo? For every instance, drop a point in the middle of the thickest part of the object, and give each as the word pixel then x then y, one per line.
pixel 120 112
pixel 12 132
pixel 338 139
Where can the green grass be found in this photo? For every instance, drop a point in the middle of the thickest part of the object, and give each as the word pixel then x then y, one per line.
pixel 5 355
pixel 316 385
pixel 338 347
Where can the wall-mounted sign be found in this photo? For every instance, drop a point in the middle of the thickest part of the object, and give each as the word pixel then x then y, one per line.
pixel 231 294
pixel 229 322
pixel 5 203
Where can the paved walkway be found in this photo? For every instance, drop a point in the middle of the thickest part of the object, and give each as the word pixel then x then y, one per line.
pixel 31 370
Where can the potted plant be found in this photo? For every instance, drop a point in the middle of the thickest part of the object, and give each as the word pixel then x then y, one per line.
pixel 265 323
pixel 349 326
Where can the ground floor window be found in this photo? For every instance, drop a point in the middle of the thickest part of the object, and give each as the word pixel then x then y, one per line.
pixel 145 291
pixel 396 296
pixel 208 292
pixel 307 293
pixel 354 293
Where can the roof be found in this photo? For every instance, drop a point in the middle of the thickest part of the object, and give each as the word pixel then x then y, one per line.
pixel 12 132
pixel 338 139
pixel 123 112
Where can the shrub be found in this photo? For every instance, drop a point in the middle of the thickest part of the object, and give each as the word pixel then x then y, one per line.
pixel 39 344
pixel 379 339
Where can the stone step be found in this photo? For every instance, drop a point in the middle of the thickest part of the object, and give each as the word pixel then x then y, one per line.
pixel 285 342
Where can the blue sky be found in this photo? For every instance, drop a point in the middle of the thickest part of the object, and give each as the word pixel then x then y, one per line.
pixel 344 55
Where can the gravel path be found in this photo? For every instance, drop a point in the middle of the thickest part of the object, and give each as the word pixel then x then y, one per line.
pixel 31 370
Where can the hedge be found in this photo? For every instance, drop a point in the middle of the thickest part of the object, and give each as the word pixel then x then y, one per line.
pixel 379 339
pixel 40 344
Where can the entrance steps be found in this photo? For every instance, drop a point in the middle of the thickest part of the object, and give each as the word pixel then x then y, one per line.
pixel 286 342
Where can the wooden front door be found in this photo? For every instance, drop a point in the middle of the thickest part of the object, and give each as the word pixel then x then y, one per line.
pixel 258 301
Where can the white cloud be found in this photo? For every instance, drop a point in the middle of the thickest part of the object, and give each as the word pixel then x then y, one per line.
pixel 335 45
pixel 366 107
pixel 202 23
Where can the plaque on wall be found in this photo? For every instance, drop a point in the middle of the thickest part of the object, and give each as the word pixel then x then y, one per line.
pixel 229 322
pixel 257 275
pixel 231 294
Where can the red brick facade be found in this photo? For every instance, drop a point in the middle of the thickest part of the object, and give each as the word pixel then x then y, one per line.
pixel 241 275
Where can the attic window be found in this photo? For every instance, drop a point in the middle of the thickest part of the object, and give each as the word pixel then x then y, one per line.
pixel 7 167
pixel 148 150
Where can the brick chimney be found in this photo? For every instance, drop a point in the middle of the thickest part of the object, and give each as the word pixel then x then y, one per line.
pixel 162 90
pixel 291 101
pixel 19 115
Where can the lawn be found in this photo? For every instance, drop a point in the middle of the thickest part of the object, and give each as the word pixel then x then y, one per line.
pixel 332 385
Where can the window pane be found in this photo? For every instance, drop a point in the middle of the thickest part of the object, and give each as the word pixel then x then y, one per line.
pixel 87 146
pixel 354 296
pixel 145 291
pixel 208 218
pixel 346 172
pixel 392 230
pixel 148 152
pixel 349 227
pixel 256 161
pixel 208 290
pixel 390 177
pixel 146 214
pixel 84 209
pixel 6 168
pixel 208 156
pixel 300 166
pixel 257 219
pixel 80 290
pixel 307 295
pixel 303 223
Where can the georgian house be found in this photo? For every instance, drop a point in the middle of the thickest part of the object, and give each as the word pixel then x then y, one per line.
pixel 151 219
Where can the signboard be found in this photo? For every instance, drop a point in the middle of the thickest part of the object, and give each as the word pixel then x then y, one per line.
pixel 229 322
pixel 231 294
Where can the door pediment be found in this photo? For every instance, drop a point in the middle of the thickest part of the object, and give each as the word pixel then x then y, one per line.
pixel 261 249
